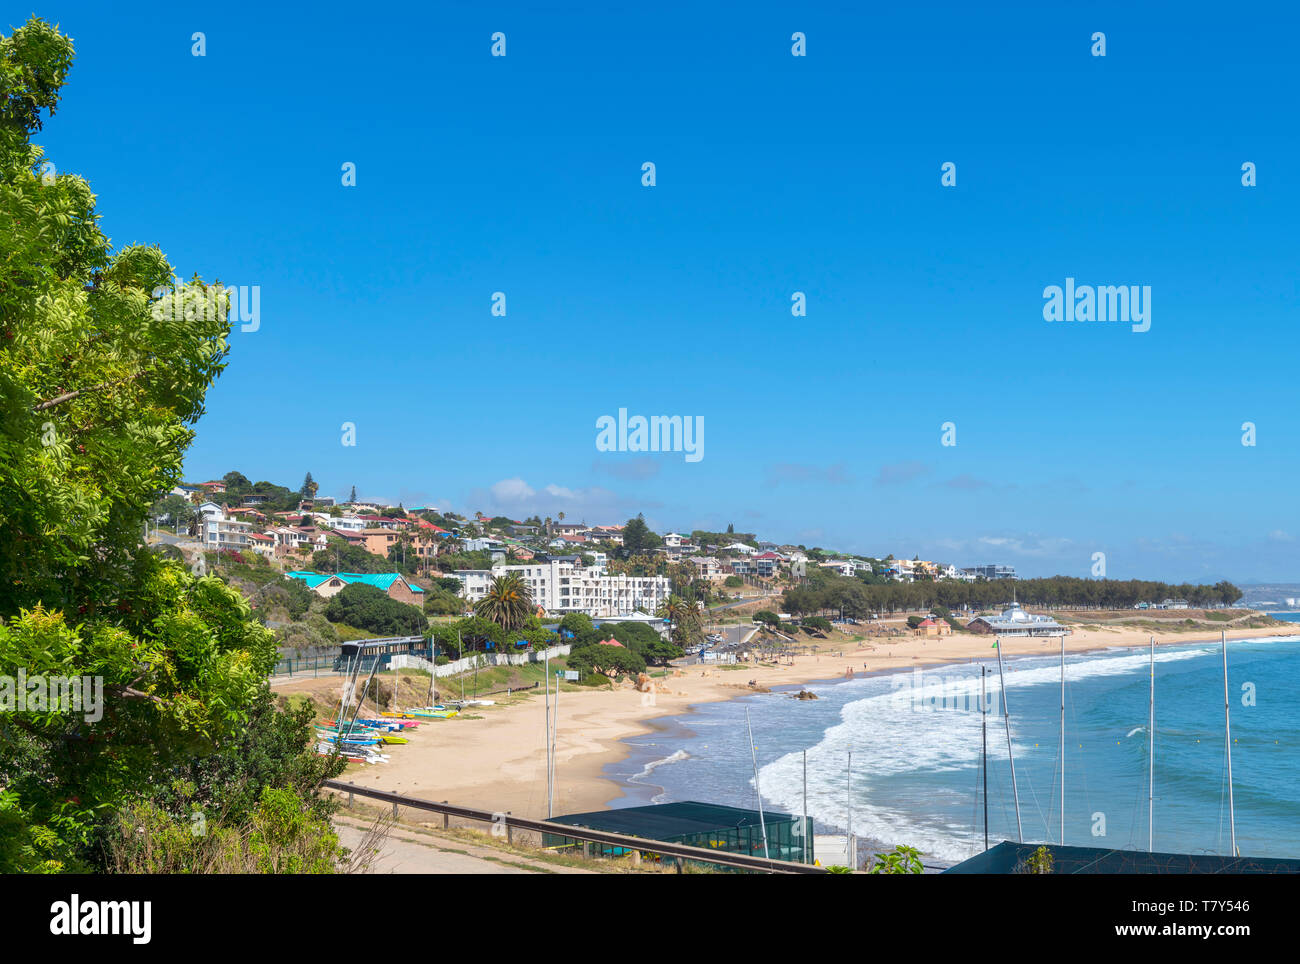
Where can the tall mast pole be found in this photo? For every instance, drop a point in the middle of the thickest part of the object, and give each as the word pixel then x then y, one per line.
pixel 1006 717
pixel 1227 736
pixel 1062 739
pixel 546 681
pixel 1151 749
pixel 984 750
pixel 849 774
pixel 753 755
pixel 555 727
pixel 804 852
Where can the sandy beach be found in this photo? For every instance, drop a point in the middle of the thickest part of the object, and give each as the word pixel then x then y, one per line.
pixel 495 758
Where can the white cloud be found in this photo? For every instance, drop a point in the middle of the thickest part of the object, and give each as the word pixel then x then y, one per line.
pixel 511 490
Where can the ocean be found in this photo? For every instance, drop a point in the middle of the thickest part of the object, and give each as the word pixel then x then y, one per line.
pixel 915 744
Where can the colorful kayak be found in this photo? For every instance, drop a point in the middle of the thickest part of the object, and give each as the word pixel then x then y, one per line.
pixel 433 713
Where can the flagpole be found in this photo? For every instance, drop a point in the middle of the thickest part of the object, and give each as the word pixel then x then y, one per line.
pixel 1006 717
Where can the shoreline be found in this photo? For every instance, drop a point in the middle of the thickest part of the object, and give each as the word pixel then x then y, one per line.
pixel 495 757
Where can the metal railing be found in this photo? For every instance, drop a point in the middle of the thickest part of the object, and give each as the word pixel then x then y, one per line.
pixel 679 852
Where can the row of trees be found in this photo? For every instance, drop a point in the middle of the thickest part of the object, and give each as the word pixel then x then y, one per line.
pixel 853 598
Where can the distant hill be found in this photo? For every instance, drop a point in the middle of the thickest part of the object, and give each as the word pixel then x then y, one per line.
pixel 1272 595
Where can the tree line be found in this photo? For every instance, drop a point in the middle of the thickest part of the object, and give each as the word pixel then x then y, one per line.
pixel 853 598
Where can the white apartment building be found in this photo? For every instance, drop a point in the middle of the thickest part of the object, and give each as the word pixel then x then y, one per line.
pixel 562 587
pixel 219 532
pixel 345 523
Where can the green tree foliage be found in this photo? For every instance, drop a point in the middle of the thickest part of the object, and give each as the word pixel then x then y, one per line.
pixel 508 602
pixel 900 860
pixel 685 618
pixel 580 625
pixel 172 510
pixel 825 592
pixel 372 609
pixel 609 660
pixel 104 364
pixel 96 389
pixel 440 602
pixel 343 557
pixel 637 537
pixel 183 664
pixel 645 642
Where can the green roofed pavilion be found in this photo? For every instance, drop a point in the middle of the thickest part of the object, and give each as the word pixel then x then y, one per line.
pixel 712 826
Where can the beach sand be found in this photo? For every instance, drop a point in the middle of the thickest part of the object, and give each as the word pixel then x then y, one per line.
pixel 495 758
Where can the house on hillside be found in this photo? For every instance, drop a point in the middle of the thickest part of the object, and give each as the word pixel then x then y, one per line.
pixel 394 584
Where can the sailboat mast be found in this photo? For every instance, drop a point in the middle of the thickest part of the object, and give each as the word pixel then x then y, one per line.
pixel 753 755
pixel 984 750
pixel 804 835
pixel 1006 717
pixel 546 681
pixel 1063 739
pixel 1151 750
pixel 1227 736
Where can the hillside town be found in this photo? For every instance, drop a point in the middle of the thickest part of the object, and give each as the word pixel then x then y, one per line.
pixel 602 570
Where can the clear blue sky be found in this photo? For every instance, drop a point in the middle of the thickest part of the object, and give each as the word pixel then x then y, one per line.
pixel 819 174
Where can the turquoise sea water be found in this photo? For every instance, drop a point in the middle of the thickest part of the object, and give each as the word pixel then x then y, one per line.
pixel 915 743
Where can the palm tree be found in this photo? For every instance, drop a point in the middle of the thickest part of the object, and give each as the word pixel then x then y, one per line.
pixel 508 602
pixel 685 618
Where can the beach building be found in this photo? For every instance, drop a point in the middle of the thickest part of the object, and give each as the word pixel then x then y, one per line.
pixel 393 584
pixel 1014 621
pixel 694 824
pixel 933 627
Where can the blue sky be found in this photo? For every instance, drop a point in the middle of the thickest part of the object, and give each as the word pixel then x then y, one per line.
pixel 775 174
